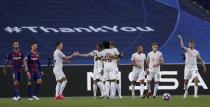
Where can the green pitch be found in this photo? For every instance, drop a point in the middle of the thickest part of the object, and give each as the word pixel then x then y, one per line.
pixel 126 101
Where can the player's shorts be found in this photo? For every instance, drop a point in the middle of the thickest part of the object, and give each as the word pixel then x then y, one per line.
pixel 58 74
pixel 110 72
pixel 138 75
pixel 34 76
pixel 188 74
pixel 17 76
pixel 155 75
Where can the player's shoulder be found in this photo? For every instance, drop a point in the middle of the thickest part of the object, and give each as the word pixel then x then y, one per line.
pixel 159 52
pixel 134 54
pixel 196 51
pixel 150 53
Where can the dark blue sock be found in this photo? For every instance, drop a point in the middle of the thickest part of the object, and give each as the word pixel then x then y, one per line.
pixel 29 91
pixel 16 93
pixel 37 87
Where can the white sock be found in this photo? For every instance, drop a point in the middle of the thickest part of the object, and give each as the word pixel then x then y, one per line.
pixel 142 89
pixel 133 89
pixel 195 90
pixel 63 85
pixel 57 89
pixel 101 86
pixel 149 87
pixel 118 88
pixel 113 89
pixel 107 85
pixel 94 89
pixel 155 89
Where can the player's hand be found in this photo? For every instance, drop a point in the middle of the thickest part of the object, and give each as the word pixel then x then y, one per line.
pixel 29 75
pixel 4 71
pixel 42 73
pixel 147 72
pixel 121 54
pixel 179 36
pixel 155 65
pixel 26 69
pixel 204 70
pixel 76 53
pixel 139 66
pixel 68 62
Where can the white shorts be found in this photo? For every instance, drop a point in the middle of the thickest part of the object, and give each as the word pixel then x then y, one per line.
pixel 188 74
pixel 136 75
pixel 58 74
pixel 110 72
pixel 155 75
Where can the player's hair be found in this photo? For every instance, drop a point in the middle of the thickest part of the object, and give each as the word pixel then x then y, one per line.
pixel 33 43
pixel 14 41
pixel 100 45
pixel 57 43
pixel 191 41
pixel 106 44
pixel 154 43
pixel 112 43
pixel 138 46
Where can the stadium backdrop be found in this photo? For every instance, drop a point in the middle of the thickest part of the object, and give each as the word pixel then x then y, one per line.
pixel 80 24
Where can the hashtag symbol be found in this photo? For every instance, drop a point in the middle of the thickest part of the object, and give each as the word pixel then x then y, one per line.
pixel 13 29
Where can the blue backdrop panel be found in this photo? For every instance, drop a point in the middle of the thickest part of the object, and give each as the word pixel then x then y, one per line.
pixel 75 23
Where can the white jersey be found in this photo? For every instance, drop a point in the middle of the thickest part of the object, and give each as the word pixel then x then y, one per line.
pixel 112 62
pixel 154 58
pixel 58 58
pixel 191 59
pixel 97 63
pixel 139 60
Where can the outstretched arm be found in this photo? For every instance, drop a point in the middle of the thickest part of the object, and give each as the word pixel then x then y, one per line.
pixel 69 57
pixel 182 44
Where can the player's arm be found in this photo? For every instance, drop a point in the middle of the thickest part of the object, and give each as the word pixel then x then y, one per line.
pixel 84 55
pixel 112 56
pixel 134 64
pixel 40 67
pixel 5 66
pixel 202 64
pixel 182 44
pixel 69 57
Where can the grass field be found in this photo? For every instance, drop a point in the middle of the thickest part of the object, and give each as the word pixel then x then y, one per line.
pixel 126 101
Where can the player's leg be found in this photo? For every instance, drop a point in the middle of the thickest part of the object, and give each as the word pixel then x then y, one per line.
pixel 107 83
pixel 187 76
pixel 133 83
pixel 63 85
pixel 101 86
pixel 94 88
pixel 29 86
pixel 16 86
pixel 37 77
pixel 156 81
pixel 59 82
pixel 149 79
pixel 141 78
pixel 113 85
pixel 118 87
pixel 195 77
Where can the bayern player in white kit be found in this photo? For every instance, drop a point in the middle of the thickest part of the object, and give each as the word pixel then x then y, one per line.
pixel 191 69
pixel 117 62
pixel 59 59
pixel 97 71
pixel 110 68
pixel 138 61
pixel 154 59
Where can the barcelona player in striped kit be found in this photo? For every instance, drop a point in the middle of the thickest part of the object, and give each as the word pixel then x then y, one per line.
pixel 16 56
pixel 35 71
